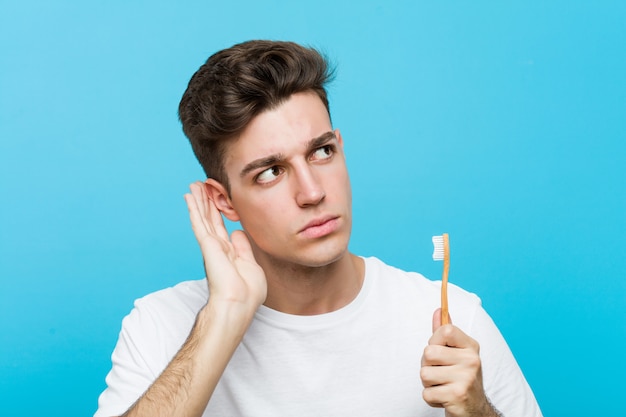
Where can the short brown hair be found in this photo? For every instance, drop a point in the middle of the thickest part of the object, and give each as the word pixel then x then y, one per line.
pixel 239 83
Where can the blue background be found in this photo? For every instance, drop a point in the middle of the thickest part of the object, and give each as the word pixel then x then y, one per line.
pixel 501 123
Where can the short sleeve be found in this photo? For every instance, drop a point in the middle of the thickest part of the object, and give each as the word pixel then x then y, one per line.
pixel 503 379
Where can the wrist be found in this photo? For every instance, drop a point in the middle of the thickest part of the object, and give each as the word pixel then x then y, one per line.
pixel 226 317
pixel 490 410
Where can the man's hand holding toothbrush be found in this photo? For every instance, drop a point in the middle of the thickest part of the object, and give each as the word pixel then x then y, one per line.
pixel 451 373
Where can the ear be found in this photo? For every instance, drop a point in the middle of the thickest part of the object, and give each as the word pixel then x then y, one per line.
pixel 339 138
pixel 218 194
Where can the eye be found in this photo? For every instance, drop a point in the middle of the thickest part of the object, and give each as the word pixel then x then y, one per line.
pixel 322 153
pixel 269 175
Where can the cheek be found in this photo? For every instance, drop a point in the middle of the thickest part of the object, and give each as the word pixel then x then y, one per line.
pixel 342 184
pixel 260 217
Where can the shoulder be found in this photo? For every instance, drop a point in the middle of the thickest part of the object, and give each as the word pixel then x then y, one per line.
pixel 187 295
pixel 151 335
pixel 398 286
pixel 167 314
pixel 386 275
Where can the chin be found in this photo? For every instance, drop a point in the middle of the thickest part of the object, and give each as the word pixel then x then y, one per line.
pixel 312 257
pixel 324 255
pixel 322 261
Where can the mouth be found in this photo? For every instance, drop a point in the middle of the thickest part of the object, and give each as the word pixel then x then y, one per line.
pixel 320 227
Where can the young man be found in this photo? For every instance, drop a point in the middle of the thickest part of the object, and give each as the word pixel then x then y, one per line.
pixel 288 321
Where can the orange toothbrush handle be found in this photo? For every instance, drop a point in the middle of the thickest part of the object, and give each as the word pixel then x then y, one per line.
pixel 445 316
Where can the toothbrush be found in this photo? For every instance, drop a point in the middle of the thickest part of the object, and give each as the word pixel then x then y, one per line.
pixel 442 253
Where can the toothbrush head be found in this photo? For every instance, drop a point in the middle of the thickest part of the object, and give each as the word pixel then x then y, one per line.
pixel 441 247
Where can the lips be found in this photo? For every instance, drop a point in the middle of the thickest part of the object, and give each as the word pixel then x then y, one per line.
pixel 320 227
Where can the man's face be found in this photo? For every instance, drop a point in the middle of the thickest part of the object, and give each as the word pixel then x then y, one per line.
pixel 289 185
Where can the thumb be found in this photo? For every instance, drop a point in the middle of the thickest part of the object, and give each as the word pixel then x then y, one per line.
pixel 437 319
pixel 242 245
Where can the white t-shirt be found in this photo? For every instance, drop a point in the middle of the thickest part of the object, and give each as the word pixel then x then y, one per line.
pixel 361 360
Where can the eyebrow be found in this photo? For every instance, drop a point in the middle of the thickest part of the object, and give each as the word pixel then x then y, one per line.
pixel 276 158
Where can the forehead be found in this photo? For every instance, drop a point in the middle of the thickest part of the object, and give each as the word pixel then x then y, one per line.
pixel 283 130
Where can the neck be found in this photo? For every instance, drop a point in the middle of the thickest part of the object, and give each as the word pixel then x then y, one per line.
pixel 305 290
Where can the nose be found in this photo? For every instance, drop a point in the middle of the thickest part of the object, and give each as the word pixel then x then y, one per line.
pixel 309 190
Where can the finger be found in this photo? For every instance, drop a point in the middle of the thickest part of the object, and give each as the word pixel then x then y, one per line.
pixel 242 246
pixel 199 195
pixel 435 375
pixel 210 214
pixel 452 336
pixel 215 217
pixel 436 355
pixel 437 319
pixel 197 224
pixel 196 192
pixel 435 396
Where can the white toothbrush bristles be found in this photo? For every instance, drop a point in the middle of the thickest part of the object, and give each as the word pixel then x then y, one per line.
pixel 438 253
